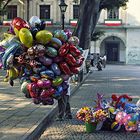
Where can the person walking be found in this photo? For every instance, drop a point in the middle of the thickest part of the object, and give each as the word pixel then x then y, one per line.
pixel 64 109
pixel 92 59
pixel 99 62
pixel 104 61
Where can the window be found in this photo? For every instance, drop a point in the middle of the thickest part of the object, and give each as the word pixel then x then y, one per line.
pixel 11 11
pixel 44 11
pixel 113 13
pixel 75 11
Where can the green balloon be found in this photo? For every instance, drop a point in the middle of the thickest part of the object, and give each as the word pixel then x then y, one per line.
pixel 57 81
pixel 24 87
pixel 52 52
pixel 26 37
pixel 43 37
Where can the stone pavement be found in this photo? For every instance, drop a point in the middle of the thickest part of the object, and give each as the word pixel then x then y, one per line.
pixel 113 79
pixel 19 118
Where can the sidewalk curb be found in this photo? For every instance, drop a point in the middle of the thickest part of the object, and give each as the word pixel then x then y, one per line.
pixel 35 132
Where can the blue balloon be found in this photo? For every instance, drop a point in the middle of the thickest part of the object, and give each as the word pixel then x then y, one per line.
pixel 55 69
pixel 59 91
pixel 130 108
pixel 47 74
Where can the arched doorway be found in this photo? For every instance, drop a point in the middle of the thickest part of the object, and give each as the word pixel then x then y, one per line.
pixel 114 49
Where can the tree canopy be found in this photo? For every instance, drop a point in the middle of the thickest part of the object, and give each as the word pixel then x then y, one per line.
pixel 112 3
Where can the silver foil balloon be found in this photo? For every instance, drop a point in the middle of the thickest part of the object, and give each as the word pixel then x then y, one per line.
pixel 34 21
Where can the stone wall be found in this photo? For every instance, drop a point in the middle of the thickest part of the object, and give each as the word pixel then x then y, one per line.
pixel 133 46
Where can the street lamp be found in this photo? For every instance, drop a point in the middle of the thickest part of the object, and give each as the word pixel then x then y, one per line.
pixel 63 7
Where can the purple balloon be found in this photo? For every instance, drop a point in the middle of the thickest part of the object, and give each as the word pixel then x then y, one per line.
pixel 65 77
pixel 57 59
pixel 68 32
pixel 45 60
pixel 11 30
pixel 44 83
pixel 2 49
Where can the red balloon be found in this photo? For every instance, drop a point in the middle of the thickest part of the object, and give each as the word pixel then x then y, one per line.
pixel 47 93
pixel 74 70
pixel 65 68
pixel 19 23
pixel 32 87
pixel 79 62
pixel 81 57
pixel 70 60
pixel 64 50
pixel 74 51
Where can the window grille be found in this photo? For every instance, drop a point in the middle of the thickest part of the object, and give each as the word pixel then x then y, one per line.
pixel 11 11
pixel 113 13
pixel 44 11
pixel 75 11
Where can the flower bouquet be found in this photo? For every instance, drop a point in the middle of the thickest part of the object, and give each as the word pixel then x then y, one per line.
pixel 86 114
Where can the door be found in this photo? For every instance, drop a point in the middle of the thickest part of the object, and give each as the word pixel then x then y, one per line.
pixel 112 51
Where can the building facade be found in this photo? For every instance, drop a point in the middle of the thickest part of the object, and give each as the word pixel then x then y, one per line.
pixel 121 41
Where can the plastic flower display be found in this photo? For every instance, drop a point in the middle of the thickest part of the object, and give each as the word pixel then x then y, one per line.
pixel 100 115
pixel 112 114
pixel 85 114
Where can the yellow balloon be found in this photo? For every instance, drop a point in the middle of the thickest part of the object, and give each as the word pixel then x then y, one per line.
pixel 16 32
pixel 113 124
pixel 130 123
pixel 43 37
pixel 112 110
pixel 26 37
pixel 13 73
pixel 5 79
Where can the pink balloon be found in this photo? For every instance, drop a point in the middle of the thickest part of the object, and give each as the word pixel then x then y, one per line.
pixel 120 116
pixel 131 128
pixel 126 119
pixel 0 65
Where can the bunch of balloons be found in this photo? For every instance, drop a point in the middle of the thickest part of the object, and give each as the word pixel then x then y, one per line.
pixel 115 113
pixel 42 60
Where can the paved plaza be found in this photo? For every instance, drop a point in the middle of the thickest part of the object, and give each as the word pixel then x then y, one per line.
pixel 113 79
pixel 20 119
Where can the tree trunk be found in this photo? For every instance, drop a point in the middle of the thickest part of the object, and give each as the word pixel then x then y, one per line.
pixel 28 2
pixel 95 15
pixel 89 14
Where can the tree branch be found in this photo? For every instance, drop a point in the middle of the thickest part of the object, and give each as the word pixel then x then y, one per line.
pixel 6 4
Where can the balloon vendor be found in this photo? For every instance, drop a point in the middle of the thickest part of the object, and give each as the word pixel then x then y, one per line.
pixel 43 61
